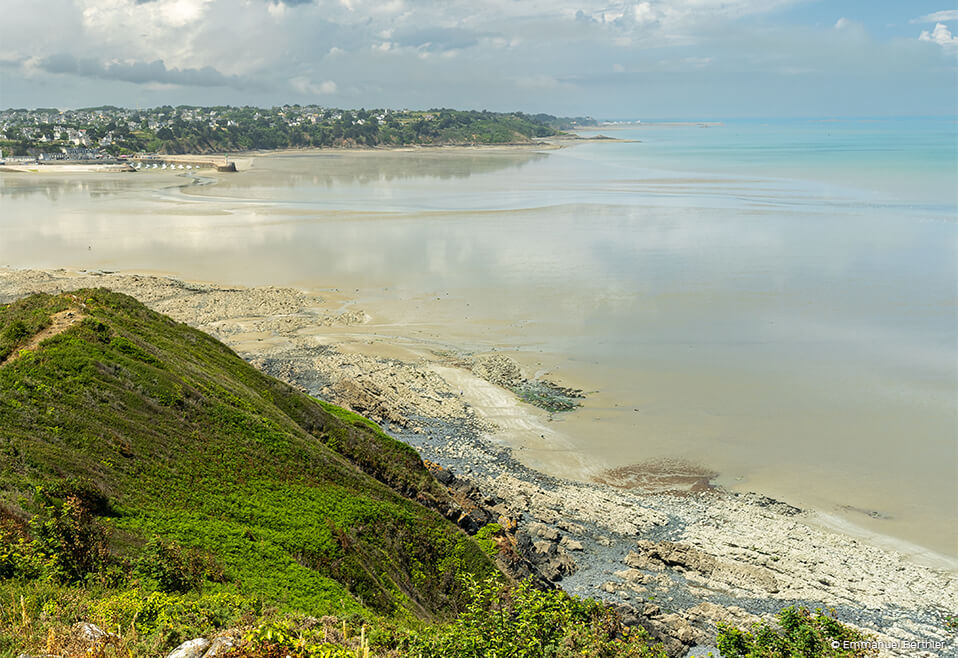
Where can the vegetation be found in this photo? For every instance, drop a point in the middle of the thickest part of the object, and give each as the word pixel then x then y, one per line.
pixel 187 129
pixel 800 633
pixel 498 622
pixel 145 467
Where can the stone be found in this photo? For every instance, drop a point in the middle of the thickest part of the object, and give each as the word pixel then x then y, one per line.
pixel 557 567
pixel 92 633
pixel 191 649
pixel 219 646
pixel 571 544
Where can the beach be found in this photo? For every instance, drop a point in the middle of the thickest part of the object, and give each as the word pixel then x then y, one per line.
pixel 703 392
pixel 679 553
pixel 792 336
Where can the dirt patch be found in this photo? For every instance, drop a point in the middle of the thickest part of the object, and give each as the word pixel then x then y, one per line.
pixel 59 322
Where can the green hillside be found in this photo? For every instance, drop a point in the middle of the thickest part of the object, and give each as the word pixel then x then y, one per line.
pixel 139 456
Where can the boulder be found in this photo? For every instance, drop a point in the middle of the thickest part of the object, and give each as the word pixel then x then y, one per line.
pixel 191 649
pixel 220 646
pixel 87 632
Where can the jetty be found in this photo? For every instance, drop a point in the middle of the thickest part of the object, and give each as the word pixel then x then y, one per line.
pixel 219 163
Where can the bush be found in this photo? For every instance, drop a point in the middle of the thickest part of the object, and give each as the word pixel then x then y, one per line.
pixel 525 622
pixel 17 556
pixel 486 538
pixel 70 541
pixel 172 568
pixel 173 617
pixel 800 634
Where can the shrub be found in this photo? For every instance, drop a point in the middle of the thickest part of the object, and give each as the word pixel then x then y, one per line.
pixel 174 568
pixel 524 622
pixel 70 540
pixel 799 634
pixel 173 616
pixel 486 538
pixel 17 556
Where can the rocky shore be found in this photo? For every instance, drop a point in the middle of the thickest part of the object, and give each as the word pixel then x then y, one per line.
pixel 675 554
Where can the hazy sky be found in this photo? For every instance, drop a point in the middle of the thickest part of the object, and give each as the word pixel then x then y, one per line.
pixel 609 59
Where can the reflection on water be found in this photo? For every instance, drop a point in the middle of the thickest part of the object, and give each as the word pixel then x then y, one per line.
pixel 365 168
pixel 799 337
pixel 59 186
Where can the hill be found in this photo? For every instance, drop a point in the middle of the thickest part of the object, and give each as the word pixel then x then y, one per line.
pixel 189 129
pixel 140 455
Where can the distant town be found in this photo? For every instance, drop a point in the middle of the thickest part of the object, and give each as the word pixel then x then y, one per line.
pixel 98 133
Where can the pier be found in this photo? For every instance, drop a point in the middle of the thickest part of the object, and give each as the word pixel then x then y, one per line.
pixel 219 163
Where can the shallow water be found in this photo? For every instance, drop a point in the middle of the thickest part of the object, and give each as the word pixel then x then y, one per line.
pixel 774 301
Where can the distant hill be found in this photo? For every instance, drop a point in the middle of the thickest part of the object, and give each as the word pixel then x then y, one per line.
pixel 190 129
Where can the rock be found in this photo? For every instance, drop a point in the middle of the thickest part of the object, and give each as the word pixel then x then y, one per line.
pixel 543 531
pixel 640 561
pixel 632 576
pixel 715 572
pixel 557 567
pixel 220 646
pixel 443 475
pixel 569 526
pixel 571 544
pixel 191 649
pixel 87 632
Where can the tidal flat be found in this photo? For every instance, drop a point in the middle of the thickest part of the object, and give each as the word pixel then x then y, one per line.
pixel 681 555
pixel 788 328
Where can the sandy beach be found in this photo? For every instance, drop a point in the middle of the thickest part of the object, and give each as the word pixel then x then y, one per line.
pixel 679 552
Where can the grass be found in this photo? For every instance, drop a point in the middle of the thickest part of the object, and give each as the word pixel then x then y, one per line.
pixel 296 502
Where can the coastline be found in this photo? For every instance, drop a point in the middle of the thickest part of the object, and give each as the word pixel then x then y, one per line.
pixel 685 559
pixel 67 168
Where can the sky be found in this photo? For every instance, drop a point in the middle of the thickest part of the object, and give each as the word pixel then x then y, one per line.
pixel 635 59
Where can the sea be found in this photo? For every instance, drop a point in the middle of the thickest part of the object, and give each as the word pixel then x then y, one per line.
pixel 773 301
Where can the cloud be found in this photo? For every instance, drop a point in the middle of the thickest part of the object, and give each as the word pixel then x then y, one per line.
pixel 306 86
pixel 438 38
pixel 940 35
pixel 135 72
pixel 499 54
pixel 938 16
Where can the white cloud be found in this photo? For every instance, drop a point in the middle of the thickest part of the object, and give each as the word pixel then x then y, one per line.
pixel 422 53
pixel 306 86
pixel 940 35
pixel 938 16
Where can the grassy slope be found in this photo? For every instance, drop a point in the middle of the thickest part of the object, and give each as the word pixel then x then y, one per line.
pixel 192 444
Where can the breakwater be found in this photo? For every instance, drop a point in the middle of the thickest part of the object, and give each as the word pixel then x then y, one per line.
pixel 222 164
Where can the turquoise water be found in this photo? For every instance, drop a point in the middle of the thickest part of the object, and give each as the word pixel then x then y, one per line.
pixel 909 160
pixel 777 301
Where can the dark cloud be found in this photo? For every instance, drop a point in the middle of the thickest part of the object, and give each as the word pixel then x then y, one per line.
pixel 139 72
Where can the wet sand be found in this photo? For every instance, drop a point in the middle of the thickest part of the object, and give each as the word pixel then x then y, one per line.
pixel 739 339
